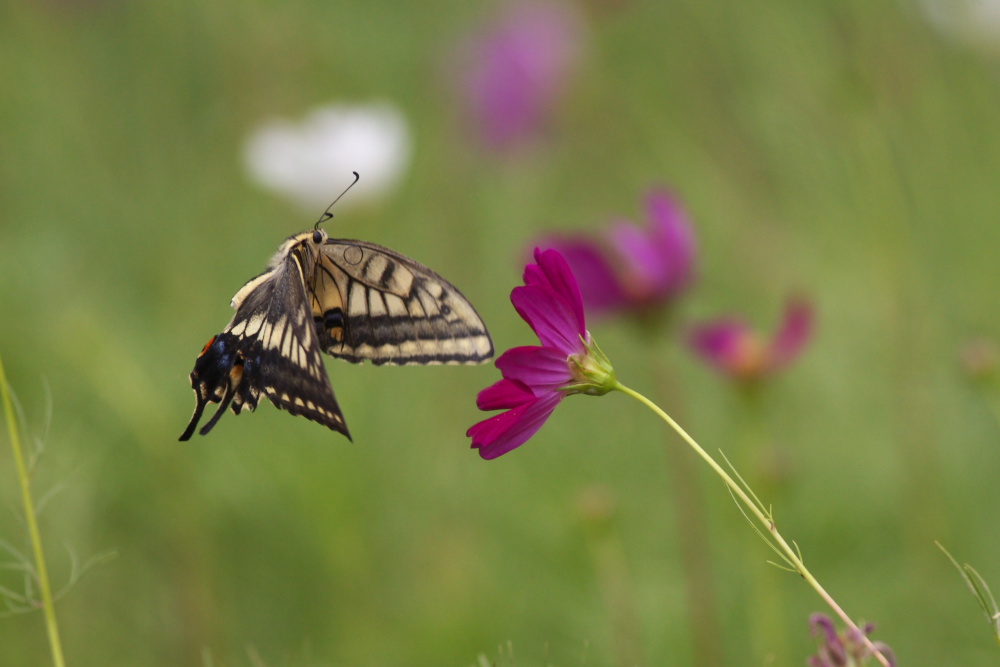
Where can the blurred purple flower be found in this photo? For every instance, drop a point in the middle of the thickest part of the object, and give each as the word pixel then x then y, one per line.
pixel 536 378
pixel 846 649
pixel 634 268
pixel 733 348
pixel 514 72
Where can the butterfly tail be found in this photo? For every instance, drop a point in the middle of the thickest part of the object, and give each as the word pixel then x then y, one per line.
pixel 217 375
pixel 230 392
pixel 199 409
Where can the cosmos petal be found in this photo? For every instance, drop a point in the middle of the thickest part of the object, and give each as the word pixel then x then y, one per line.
pixel 599 285
pixel 640 257
pixel 672 232
pixel 535 366
pixel 504 394
pixel 563 282
pixel 501 433
pixel 796 331
pixel 723 343
pixel 549 317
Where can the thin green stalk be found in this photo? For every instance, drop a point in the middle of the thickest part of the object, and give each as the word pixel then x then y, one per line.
pixel 787 552
pixel 981 590
pixel 29 512
pixel 755 456
pixel 689 492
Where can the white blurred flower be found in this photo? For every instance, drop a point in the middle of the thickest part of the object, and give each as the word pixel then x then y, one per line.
pixel 311 161
pixel 976 22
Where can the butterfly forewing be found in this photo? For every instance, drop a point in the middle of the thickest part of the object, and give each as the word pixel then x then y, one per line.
pixel 357 301
pixel 389 309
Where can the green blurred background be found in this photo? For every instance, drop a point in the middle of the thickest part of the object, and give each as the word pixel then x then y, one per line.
pixel 847 151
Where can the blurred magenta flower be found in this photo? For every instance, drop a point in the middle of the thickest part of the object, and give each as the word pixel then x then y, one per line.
pixel 311 160
pixel 733 348
pixel 537 377
pixel 846 649
pixel 515 71
pixel 634 268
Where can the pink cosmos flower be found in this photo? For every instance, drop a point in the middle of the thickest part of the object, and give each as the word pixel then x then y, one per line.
pixel 536 378
pixel 733 348
pixel 634 268
pixel 515 72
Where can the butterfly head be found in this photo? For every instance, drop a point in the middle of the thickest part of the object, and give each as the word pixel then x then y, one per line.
pixel 303 240
pixel 315 237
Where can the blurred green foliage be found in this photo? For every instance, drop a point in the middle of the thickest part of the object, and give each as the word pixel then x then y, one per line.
pixel 842 150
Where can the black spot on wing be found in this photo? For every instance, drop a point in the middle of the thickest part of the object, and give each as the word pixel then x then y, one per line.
pixel 385 280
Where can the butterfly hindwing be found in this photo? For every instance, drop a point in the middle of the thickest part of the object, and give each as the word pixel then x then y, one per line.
pixel 371 303
pixel 270 347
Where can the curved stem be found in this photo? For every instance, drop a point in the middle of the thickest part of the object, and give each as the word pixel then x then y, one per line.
pixel 29 513
pixel 788 552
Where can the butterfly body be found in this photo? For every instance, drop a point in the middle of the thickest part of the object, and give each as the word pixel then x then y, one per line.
pixel 353 300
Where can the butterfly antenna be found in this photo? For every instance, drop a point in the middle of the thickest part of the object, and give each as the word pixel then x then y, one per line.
pixel 326 214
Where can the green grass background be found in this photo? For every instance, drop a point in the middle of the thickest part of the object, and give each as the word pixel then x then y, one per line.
pixel 842 150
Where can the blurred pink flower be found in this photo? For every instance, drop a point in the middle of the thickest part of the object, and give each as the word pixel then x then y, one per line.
pixel 515 71
pixel 537 377
pixel 634 268
pixel 844 649
pixel 733 348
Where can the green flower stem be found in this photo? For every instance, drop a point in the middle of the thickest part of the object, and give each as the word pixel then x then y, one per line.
pixel 29 513
pixel 790 554
pixel 757 454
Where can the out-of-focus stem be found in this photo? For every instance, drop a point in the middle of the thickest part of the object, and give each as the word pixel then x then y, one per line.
pixel 29 514
pixel 737 490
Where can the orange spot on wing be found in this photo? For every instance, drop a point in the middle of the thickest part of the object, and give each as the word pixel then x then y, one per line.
pixel 208 345
pixel 236 374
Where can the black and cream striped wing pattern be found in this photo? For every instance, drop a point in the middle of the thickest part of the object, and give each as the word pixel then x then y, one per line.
pixel 270 347
pixel 354 300
pixel 372 303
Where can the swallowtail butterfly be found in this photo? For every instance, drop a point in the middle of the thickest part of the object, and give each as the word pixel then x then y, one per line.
pixel 353 300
